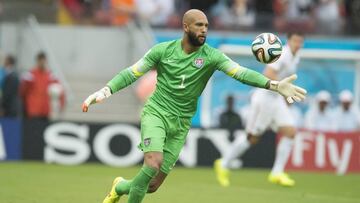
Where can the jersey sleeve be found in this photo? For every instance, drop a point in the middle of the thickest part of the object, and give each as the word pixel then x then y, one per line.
pixel 129 75
pixel 242 74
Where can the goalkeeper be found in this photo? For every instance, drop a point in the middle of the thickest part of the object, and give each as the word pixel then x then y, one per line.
pixel 183 68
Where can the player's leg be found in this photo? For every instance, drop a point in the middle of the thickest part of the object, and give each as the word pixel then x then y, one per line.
pixel 140 183
pixel 157 181
pixel 114 196
pixel 124 186
pixel 175 140
pixel 169 161
pixel 171 155
pixel 286 123
pixel 237 149
pixel 259 118
pixel 121 186
pixel 152 142
pixel 283 148
pixel 153 134
pixel 177 130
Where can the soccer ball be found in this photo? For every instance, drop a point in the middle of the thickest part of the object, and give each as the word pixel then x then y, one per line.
pixel 266 47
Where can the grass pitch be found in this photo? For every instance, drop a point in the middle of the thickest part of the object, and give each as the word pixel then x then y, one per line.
pixel 34 182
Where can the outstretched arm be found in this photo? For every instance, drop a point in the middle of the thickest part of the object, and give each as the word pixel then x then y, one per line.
pixel 284 87
pixel 245 75
pixel 128 76
pixel 125 77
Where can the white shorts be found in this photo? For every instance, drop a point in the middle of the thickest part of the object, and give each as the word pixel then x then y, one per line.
pixel 268 110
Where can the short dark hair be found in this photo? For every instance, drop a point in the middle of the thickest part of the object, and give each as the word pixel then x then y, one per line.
pixel 10 59
pixel 290 34
pixel 41 55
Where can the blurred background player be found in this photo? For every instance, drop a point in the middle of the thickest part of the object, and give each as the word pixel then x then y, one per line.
pixel 166 116
pixel 268 110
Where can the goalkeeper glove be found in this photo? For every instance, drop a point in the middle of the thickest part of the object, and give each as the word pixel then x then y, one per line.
pixel 288 90
pixel 96 97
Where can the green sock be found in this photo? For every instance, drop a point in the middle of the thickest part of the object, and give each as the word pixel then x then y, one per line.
pixel 123 187
pixel 140 184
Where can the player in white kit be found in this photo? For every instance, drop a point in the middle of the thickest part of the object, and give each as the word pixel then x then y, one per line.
pixel 268 109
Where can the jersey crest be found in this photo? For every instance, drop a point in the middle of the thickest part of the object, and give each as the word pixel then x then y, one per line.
pixel 199 62
pixel 147 141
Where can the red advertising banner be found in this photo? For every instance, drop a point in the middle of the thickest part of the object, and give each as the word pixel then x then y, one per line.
pixel 319 151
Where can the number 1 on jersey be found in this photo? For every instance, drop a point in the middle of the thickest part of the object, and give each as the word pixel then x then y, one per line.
pixel 182 86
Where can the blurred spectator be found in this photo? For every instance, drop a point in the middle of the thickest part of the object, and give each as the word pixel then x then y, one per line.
pixel 69 12
pixel 347 115
pixel 103 15
pixel 75 12
pixel 156 12
pixel 202 5
pixel 2 70
pixel 1 55
pixel 352 8
pixel 292 14
pixel 299 9
pixel 122 11
pixel 264 14
pixel 88 11
pixel 319 116
pixel 34 90
pixel 229 119
pixel 1 9
pixel 10 102
pixel 234 13
pixel 327 13
pixel 2 76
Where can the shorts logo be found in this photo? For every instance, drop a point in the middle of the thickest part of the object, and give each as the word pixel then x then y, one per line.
pixel 147 141
pixel 199 62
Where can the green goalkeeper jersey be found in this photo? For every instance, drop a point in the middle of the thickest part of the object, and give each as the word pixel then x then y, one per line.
pixel 182 77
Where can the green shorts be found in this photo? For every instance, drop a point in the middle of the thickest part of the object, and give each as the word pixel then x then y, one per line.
pixel 163 132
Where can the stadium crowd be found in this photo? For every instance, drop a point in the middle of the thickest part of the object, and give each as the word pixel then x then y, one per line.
pixel 325 16
pixel 313 16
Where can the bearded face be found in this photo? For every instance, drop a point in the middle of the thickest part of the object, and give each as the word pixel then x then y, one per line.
pixel 196 40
